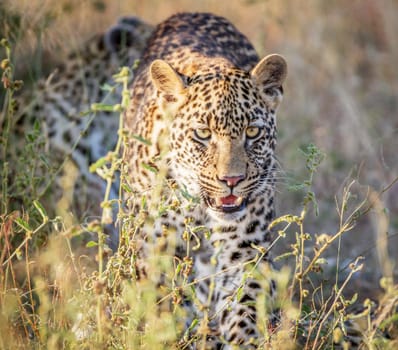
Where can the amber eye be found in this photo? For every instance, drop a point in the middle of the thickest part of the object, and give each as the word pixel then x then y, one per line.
pixel 253 131
pixel 203 134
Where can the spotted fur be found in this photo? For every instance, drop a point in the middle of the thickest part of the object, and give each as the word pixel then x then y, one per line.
pixel 62 102
pixel 202 93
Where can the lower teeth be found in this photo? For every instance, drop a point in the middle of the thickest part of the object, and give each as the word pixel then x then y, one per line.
pixel 218 203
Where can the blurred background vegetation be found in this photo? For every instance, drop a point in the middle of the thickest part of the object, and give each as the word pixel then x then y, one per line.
pixel 341 94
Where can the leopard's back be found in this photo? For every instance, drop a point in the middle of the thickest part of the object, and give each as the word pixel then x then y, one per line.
pixel 185 36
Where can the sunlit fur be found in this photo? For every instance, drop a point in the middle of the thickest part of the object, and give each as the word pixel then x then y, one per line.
pixel 202 85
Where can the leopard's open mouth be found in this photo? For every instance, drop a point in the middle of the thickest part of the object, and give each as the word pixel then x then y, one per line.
pixel 229 204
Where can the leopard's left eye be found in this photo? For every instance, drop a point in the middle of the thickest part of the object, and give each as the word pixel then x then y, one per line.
pixel 253 131
pixel 202 134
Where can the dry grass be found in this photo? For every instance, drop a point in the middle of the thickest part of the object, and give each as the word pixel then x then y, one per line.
pixel 341 94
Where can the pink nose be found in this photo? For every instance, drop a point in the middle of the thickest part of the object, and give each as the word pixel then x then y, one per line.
pixel 232 181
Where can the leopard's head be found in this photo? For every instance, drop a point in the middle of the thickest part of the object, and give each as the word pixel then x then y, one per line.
pixel 223 131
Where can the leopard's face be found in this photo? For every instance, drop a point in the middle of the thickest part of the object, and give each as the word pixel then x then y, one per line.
pixel 223 138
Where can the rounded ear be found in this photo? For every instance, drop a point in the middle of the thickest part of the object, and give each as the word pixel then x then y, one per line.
pixel 166 80
pixel 269 74
pixel 270 71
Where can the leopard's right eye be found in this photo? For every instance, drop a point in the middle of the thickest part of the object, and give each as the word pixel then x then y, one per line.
pixel 202 134
pixel 253 132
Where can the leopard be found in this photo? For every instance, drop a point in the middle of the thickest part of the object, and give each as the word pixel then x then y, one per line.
pixel 202 94
pixel 203 113
pixel 73 136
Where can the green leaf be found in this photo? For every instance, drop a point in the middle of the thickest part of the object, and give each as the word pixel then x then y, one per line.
pixel 22 223
pixel 194 323
pixel 122 75
pixel 321 261
pixel 107 87
pixel 98 164
pixel 286 219
pixel 102 107
pixel 188 196
pixel 30 137
pixel 353 299
pixel 36 126
pixel 45 161
pixel 143 203
pixel 149 167
pixel 141 139
pixel 178 269
pixel 91 244
pixel 239 294
pixel 135 64
pixel 85 113
pixel 41 210
pixel 127 188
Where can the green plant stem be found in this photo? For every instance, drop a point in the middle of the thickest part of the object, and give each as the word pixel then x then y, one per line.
pixel 298 274
pixel 347 226
pixel 337 297
pixel 124 76
pixel 29 234
pixel 7 113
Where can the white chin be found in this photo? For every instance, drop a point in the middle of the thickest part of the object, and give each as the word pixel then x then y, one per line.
pixel 224 217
